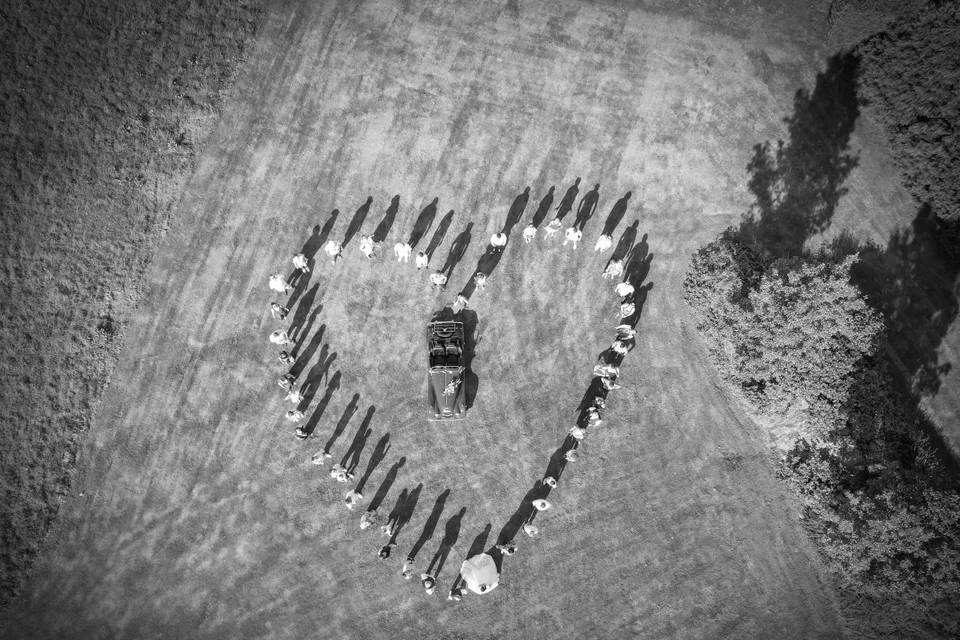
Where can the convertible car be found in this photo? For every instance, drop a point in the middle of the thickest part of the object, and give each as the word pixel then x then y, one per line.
pixel 445 373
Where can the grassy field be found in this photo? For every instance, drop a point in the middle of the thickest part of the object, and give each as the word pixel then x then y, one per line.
pixel 197 513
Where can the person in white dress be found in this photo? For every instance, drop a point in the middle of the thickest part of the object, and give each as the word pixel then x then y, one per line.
pixel 614 270
pixel 333 249
pixel 572 235
pixel 623 289
pixel 529 233
pixel 300 262
pixel 279 284
pixel 422 261
pixel 604 242
pixel 402 250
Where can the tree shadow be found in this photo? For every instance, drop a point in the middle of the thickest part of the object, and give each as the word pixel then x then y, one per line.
pixel 616 215
pixel 424 220
pixel 797 184
pixel 451 533
pixel 379 453
pixel 386 484
pixel 566 203
pixel 332 386
pixel 351 458
pixel 383 228
pixel 438 235
pixel 515 213
pixel 356 223
pixel 588 206
pixel 543 209
pixel 300 363
pixel 431 524
pixel 457 251
pixel 341 425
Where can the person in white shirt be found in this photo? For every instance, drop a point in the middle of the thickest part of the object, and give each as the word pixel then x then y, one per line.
pixel 623 289
pixel 573 236
pixel 367 246
pixel 333 249
pixel 294 396
pixel 604 242
pixel 529 233
pixel 294 415
pixel 553 227
pixel 280 337
pixel 300 262
pixel 279 284
pixel 541 505
pixel 422 261
pixel 480 279
pixel 278 311
pixel 627 309
pixel 352 499
pixel 531 529
pixel 498 241
pixel 438 279
pixel 368 519
pixel 613 270
pixel 402 250
pixel 459 304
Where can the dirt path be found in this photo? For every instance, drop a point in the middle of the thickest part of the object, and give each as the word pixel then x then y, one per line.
pixel 200 514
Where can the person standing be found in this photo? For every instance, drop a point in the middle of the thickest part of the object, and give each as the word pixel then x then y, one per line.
pixel 552 228
pixel 280 337
pixel 604 242
pixel 429 583
pixel 573 236
pixel 402 250
pixel 480 279
pixel 614 270
pixel 422 261
pixel 498 241
pixel 294 415
pixel 541 505
pixel 278 311
pixel 279 284
pixel 300 262
pixel 438 279
pixel 529 233
pixel 367 246
pixel 333 249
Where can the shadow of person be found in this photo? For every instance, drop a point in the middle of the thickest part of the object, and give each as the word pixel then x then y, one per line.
pixel 386 484
pixel 406 511
pixel 566 204
pixel 479 543
pixel 302 311
pixel 616 215
pixel 303 358
pixel 637 269
pixel 379 453
pixel 383 228
pixel 301 335
pixel 341 425
pixel 523 514
pixel 322 405
pixel 543 209
pixel 516 211
pixel 588 206
pixel 639 299
pixel 300 281
pixel 438 235
pixel 489 260
pixel 451 533
pixel 317 371
pixel 351 458
pixel 457 251
pixel 625 244
pixel 356 223
pixel 430 526
pixel 314 242
pixel 470 380
pixel 424 220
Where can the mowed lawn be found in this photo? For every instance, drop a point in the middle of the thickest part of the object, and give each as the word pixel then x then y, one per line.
pixel 199 514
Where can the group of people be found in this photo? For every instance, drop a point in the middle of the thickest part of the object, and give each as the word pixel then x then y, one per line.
pixel 606 370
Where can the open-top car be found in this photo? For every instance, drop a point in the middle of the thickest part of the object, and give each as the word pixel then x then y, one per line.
pixel 445 375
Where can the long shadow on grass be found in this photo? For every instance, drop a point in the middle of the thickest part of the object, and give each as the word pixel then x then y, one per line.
pixel 351 458
pixel 341 425
pixel 302 311
pixel 457 251
pixel 322 405
pixel 383 228
pixel 431 524
pixel 616 215
pixel 624 246
pixel 451 533
pixel 588 206
pixel 386 484
pixel 379 453
pixel 515 213
pixel 356 223
pixel 302 358
pixel 438 235
pixel 543 208
pixel 403 511
pixel 566 204
pixel 424 220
